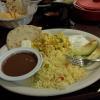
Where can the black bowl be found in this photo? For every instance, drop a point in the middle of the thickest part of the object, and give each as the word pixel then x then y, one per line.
pixel 53 15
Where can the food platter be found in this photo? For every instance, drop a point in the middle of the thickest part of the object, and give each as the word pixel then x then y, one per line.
pixel 26 89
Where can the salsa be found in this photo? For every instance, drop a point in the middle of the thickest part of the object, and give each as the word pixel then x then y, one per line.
pixel 19 64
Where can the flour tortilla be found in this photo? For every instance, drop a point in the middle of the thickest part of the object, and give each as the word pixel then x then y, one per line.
pixel 23 32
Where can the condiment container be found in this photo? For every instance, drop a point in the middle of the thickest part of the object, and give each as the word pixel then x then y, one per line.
pixel 53 15
pixel 20 63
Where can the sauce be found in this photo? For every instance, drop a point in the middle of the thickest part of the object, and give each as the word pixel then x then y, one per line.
pixel 19 64
pixel 52 14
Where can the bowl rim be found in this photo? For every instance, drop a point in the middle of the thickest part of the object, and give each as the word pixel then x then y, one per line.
pixel 16 51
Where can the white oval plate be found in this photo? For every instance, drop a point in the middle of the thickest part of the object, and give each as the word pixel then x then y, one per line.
pixel 28 90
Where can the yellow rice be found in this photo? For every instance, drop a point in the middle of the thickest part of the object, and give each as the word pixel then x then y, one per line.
pixel 56 71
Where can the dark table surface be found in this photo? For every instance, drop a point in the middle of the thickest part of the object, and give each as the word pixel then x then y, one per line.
pixel 88 93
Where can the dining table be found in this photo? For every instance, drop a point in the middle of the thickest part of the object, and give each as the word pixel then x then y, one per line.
pixel 68 21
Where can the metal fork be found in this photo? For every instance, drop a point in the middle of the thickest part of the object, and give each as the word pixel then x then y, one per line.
pixel 81 61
